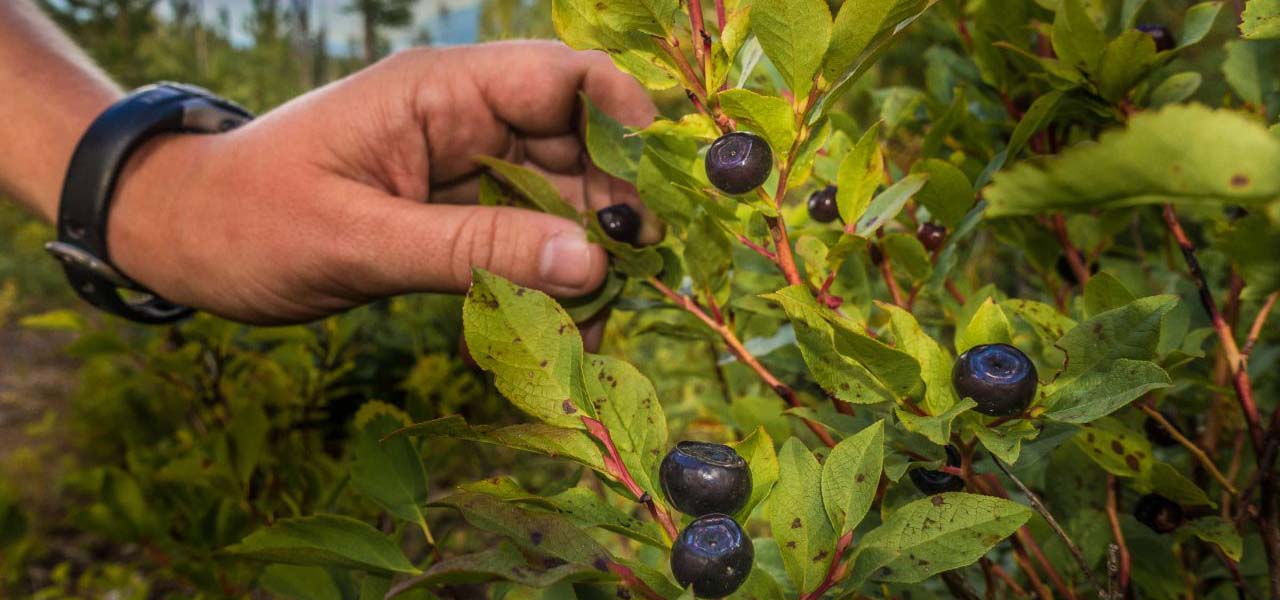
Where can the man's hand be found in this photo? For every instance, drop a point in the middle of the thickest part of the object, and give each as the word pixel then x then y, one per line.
pixel 366 187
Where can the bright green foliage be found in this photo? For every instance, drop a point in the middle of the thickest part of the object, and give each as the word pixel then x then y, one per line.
pixel 359 458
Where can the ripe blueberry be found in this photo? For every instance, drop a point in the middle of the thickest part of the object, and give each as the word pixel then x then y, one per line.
pixel 713 555
pixel 1161 514
pixel 931 235
pixel 822 205
pixel 1158 434
pixel 620 222
pixel 937 482
pixel 1163 38
pixel 701 478
pixel 999 377
pixel 739 162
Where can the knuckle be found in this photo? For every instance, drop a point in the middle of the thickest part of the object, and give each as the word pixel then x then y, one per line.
pixel 475 244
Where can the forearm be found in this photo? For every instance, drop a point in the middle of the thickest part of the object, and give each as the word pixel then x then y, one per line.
pixel 52 91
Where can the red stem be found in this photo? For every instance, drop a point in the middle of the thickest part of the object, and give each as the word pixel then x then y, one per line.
pixel 613 463
pixel 721 20
pixel 629 578
pixel 836 571
pixel 1114 519
pixel 761 250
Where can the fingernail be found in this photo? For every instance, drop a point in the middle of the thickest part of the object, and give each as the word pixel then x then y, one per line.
pixel 567 259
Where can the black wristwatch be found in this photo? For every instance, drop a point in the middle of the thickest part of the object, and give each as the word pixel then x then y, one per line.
pixel 91 181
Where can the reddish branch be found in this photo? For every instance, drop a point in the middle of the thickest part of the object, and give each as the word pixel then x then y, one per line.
pixel 629 578
pixel 1114 519
pixel 1258 322
pixel 744 356
pixel 1069 249
pixel 836 571
pixel 614 465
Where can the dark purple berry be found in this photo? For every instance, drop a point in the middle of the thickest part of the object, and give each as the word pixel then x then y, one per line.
pixel 938 482
pixel 1161 34
pixel 1161 514
pixel 822 205
pixel 1063 267
pixel 620 222
pixel 739 162
pixel 999 377
pixel 931 235
pixel 700 478
pixel 713 555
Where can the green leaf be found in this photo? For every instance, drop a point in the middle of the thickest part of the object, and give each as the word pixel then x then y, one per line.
pixel 935 362
pixel 1261 20
pixel 860 175
pixel 844 378
pixel 1184 153
pixel 533 186
pixel 1253 244
pixel 1131 331
pixel 1176 88
pixel 534 532
pixel 988 326
pixel 769 116
pixel 1038 116
pixel 1114 447
pixel 583 308
pixel 1251 69
pixel 947 194
pixel 1077 41
pixel 654 17
pixel 937 428
pixel 936 534
pixel 530 345
pixel 1215 530
pixel 627 404
pixel 798 519
pixel 302 583
pixel 1197 22
pixel 538 438
pixel 1126 61
pixel 850 477
pixel 56 320
pixel 1103 292
pixel 611 147
pixel 1004 441
pixel 581 505
pixel 794 35
pixel 504 563
pixel 857 25
pixel 889 203
pixel 580 25
pixel 707 254
pixel 390 472
pixel 325 541
pixel 1103 391
pixel 757 450
pixel 906 252
pixel 1049 324
pixel 1164 479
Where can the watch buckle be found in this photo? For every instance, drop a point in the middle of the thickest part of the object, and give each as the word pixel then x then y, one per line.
pixel 78 257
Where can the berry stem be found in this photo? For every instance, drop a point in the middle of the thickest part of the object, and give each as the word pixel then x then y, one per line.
pixel 743 355
pixel 1053 523
pixel 721 19
pixel 1122 578
pixel 613 463
pixel 1000 574
pixel 700 38
pixel 836 572
pixel 1190 446
pixel 886 271
pixel 761 250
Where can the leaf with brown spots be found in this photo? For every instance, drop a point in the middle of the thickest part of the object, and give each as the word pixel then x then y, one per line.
pixel 757 450
pixel 797 499
pixel 516 334
pixel 851 475
pixel 935 534
pixel 1116 448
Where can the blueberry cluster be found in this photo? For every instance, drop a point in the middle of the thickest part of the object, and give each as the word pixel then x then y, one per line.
pixel 710 482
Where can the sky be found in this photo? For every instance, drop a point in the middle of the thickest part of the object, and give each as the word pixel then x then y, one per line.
pixel 448 21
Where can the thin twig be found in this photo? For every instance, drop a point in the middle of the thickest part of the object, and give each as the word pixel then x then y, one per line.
pixel 958 587
pixel 744 356
pixel 1114 519
pixel 1189 445
pixel 1258 322
pixel 1053 523
pixel 836 571
pixel 616 467
pixel 761 250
